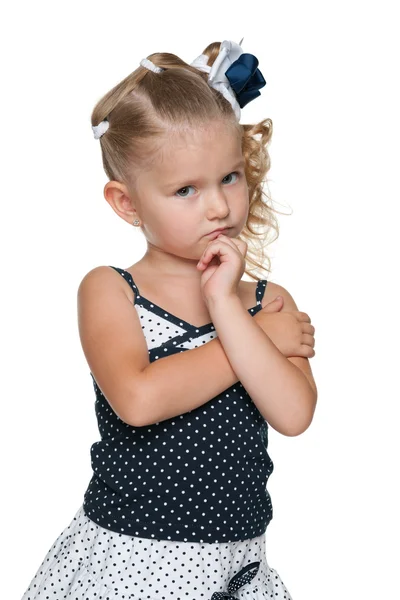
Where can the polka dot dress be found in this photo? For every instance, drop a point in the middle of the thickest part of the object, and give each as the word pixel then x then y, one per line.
pixel 88 562
pixel 178 509
pixel 200 476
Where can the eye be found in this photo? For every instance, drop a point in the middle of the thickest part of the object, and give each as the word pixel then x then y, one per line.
pixel 189 186
pixel 233 173
pixel 184 188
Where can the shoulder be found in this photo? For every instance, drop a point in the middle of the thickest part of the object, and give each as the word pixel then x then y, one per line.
pixel 103 275
pixel 273 290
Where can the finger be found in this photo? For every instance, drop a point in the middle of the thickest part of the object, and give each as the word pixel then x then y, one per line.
pixel 308 328
pixel 217 241
pixel 302 316
pixel 240 244
pixel 307 352
pixel 308 339
pixel 224 238
pixel 216 248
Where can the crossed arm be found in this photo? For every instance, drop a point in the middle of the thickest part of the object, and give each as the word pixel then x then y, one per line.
pixel 283 389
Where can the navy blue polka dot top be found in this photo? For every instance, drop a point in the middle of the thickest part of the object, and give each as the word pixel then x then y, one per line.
pixel 197 477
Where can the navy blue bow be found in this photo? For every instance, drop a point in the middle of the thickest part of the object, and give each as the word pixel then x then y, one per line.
pixel 241 578
pixel 245 78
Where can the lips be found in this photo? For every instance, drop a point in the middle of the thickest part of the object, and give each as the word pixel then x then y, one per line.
pixel 218 231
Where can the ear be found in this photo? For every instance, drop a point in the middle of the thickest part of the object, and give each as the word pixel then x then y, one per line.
pixel 120 200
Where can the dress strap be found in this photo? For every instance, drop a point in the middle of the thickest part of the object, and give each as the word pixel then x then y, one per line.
pixel 128 277
pixel 260 290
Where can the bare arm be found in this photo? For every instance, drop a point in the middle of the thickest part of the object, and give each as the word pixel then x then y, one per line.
pixel 163 391
pixel 279 389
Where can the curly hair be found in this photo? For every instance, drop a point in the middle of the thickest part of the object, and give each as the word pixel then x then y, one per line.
pixel 145 106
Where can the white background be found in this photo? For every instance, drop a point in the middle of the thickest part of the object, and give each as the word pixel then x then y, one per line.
pixel 332 93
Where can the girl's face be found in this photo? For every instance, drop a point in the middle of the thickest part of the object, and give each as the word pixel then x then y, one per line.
pixel 195 184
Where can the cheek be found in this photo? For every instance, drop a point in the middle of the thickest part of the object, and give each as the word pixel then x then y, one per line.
pixel 241 203
pixel 173 228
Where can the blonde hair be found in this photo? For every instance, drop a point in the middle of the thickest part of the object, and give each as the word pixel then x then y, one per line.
pixel 145 106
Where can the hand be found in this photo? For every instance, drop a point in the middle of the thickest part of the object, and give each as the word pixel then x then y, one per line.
pixel 223 264
pixel 290 331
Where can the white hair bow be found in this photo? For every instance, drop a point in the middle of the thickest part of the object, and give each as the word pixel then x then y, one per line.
pixel 229 52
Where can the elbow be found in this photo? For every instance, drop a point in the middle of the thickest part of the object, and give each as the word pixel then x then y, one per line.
pixel 134 422
pixel 131 413
pixel 140 391
pixel 295 431
pixel 304 419
pixel 135 418
pixel 139 413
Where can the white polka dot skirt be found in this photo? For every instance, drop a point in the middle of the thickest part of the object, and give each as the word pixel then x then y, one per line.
pixel 89 562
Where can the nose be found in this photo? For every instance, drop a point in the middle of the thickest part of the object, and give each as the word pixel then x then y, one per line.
pixel 217 205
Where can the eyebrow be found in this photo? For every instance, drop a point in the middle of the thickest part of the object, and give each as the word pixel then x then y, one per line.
pixel 239 163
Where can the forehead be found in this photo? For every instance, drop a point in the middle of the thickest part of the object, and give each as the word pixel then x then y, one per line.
pixel 216 144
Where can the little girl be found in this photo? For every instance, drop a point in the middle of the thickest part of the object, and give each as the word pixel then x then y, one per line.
pixel 190 363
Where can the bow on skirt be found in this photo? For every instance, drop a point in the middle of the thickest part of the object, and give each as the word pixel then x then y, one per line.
pixel 241 578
